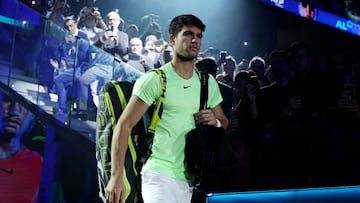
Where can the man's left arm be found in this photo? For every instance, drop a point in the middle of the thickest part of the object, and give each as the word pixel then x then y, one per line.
pixel 220 117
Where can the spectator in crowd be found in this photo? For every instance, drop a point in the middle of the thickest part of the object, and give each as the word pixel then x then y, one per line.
pixel 92 17
pixel 113 40
pixel 208 65
pixel 241 66
pixel 73 55
pixel 103 67
pixel 50 42
pixel 58 12
pixel 150 49
pixel 150 26
pixel 228 66
pixel 257 65
pixel 272 101
pixel 242 129
pixel 20 167
pixel 132 31
pixel 136 58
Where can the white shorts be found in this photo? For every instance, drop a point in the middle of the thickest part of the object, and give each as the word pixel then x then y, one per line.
pixel 159 188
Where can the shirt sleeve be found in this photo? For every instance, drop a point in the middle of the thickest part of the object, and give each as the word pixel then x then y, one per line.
pixel 147 88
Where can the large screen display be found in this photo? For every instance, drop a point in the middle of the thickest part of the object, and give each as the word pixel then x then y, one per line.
pixel 341 15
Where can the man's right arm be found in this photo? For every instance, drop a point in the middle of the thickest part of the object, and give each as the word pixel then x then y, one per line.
pixel 115 190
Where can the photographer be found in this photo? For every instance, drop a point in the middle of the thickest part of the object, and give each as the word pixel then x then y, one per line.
pixel 112 40
pixel 136 59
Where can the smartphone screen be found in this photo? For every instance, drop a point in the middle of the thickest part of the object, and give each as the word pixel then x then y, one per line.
pixel 134 57
pixel 223 54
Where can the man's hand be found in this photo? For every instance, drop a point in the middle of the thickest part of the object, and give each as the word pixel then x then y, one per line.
pixel 206 117
pixel 115 190
pixel 54 63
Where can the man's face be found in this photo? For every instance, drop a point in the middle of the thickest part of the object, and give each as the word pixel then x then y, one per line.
pixel 301 60
pixel 150 45
pixel 136 46
pixel 12 116
pixel 90 21
pixel 71 26
pixel 113 20
pixel 187 43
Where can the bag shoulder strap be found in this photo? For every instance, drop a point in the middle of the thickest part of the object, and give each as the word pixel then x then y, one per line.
pixel 156 116
pixel 203 89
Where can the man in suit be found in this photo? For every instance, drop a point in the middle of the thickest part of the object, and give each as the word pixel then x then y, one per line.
pixel 73 54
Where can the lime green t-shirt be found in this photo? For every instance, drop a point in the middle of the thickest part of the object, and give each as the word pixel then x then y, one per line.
pixel 182 100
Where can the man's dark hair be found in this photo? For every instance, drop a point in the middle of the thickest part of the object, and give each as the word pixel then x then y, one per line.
pixel 281 54
pixel 180 21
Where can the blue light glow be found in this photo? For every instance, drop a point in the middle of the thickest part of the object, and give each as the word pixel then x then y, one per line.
pixel 319 15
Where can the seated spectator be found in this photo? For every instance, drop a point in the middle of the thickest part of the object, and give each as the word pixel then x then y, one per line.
pixel 71 51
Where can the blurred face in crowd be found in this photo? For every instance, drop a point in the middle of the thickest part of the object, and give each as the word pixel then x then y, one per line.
pixel 150 42
pixel 228 66
pixel 258 67
pixel 90 21
pixel 14 118
pixel 71 26
pixel 136 45
pixel 113 19
pixel 301 60
pixel 187 43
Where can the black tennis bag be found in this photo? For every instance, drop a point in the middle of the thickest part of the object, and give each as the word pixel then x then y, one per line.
pixel 112 102
pixel 208 155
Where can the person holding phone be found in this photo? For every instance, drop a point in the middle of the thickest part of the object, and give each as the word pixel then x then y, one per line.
pixel 136 58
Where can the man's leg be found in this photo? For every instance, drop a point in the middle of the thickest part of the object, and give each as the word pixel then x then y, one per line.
pixel 89 76
pixel 60 82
